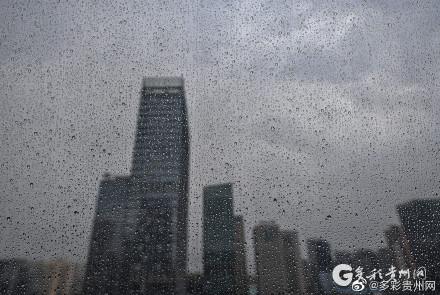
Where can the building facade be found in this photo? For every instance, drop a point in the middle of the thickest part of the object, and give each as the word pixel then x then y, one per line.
pixel 320 265
pixel 139 237
pixel 399 247
pixel 290 250
pixel 218 239
pixel 240 268
pixel 271 265
pixel 420 221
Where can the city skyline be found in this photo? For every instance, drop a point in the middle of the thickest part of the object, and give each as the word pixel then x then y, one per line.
pixel 251 262
pixel 323 115
pixel 281 267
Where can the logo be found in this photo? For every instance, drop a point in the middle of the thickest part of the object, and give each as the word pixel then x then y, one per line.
pixel 342 275
pixel 392 279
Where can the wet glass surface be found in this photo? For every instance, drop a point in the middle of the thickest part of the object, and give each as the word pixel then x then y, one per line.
pixel 219 147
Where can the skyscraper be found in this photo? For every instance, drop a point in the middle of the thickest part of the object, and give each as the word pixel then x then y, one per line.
pixel 399 247
pixel 319 253
pixel 139 236
pixel 278 258
pixel 161 149
pixel 218 239
pixel 15 277
pixel 420 221
pixel 271 267
pixel 106 267
pixel 160 171
pixel 320 264
pixel 290 250
pixel 240 270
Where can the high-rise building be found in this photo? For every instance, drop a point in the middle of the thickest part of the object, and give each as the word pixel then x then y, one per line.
pixel 320 263
pixel 319 253
pixel 160 170
pixel 20 276
pixel 15 277
pixel 106 266
pixel 290 250
pixel 240 271
pixel 195 284
pixel 399 247
pixel 343 257
pixel 279 261
pixel 139 237
pixel 60 276
pixel 271 267
pixel 218 239
pixel 368 259
pixel 161 149
pixel 420 221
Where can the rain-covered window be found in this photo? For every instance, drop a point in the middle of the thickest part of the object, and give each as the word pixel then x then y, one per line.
pixel 255 147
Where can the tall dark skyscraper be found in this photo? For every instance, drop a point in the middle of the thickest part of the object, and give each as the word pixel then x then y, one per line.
pixel 320 264
pixel 161 169
pixel 290 248
pixel 218 239
pixel 162 145
pixel 320 254
pixel 399 247
pixel 139 237
pixel 271 268
pixel 278 260
pixel 107 253
pixel 420 221
pixel 240 270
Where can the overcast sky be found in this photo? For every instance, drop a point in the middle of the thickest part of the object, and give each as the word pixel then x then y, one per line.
pixel 324 114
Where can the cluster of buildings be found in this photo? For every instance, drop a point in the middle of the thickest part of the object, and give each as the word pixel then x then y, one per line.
pixel 139 239
pixel 23 277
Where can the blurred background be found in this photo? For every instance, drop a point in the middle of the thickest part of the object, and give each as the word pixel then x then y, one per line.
pixel 288 136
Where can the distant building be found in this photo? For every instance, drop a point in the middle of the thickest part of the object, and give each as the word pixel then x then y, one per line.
pixel 290 250
pixel 320 254
pixel 399 247
pixel 218 239
pixel 385 258
pixel 241 277
pixel 139 237
pixel 161 169
pixel 195 284
pixel 19 276
pixel 78 279
pixel 106 270
pixel 420 221
pixel 253 285
pixel 271 265
pixel 60 277
pixel 320 265
pixel 367 258
pixel 15 277
pixel 343 257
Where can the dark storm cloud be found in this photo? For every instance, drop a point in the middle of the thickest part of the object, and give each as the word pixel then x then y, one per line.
pixel 328 108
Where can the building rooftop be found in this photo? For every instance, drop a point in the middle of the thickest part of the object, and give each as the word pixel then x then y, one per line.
pixel 159 82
